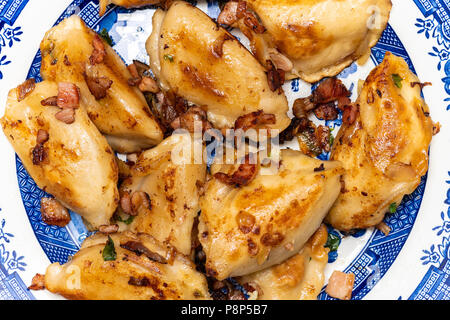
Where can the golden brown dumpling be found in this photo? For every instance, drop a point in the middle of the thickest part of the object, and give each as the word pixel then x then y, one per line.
pixel 316 39
pixel 385 151
pixel 301 277
pixel 141 269
pixel 125 3
pixel 173 191
pixel 249 228
pixel 204 64
pixel 118 110
pixel 73 161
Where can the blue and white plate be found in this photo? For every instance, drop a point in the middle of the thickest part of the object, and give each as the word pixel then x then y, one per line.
pixel 412 262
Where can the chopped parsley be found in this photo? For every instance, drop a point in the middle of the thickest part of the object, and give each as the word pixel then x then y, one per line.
pixel 331 139
pixel 393 207
pixel 109 252
pixel 333 242
pixel 105 35
pixel 397 80
pixel 168 57
pixel 126 221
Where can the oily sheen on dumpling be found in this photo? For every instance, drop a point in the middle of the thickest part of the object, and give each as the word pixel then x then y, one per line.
pixel 203 63
pixel 385 151
pixel 320 38
pixel 249 228
pixel 79 168
pixel 122 115
pixel 300 277
pixel 142 269
pixel 172 187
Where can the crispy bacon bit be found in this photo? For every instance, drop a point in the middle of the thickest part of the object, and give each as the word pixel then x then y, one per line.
pixel 147 84
pixel 139 249
pixel 68 96
pixel 302 107
pixel 326 111
pixel 50 101
pixel 251 21
pixel 42 136
pixel 133 70
pixel 99 53
pixel 340 285
pixel 125 203
pixel 383 227
pixel 330 90
pixel 98 86
pixel 280 61
pixel 66 115
pixel 38 282
pixel 275 77
pixel 139 282
pixel 245 174
pixel 241 9
pixel 54 213
pixel 350 113
pixel 188 119
pixel 420 84
pixel 39 154
pixel 272 239
pixel 166 107
pixel 217 47
pixel 253 120
pixel 253 289
pixel 323 137
pixel 297 125
pixel 25 89
pixel 133 82
pixel 139 199
pixel 237 295
pixel 342 102
pixel 228 14
pixel 108 229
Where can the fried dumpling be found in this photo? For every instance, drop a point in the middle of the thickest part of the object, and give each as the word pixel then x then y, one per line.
pixel 127 267
pixel 171 186
pixel 255 226
pixel 204 64
pixel 385 151
pixel 73 52
pixel 301 277
pixel 71 161
pixel 310 39
pixel 125 3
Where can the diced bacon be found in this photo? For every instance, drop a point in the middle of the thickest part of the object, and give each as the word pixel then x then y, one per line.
pixel 38 282
pixel 25 89
pixel 340 285
pixel 99 53
pixel 54 213
pixel 68 96
pixel 228 14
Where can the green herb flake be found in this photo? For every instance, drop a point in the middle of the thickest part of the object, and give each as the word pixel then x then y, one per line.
pixel 105 35
pixel 333 242
pixel 109 252
pixel 397 80
pixel 126 221
pixel 393 207
pixel 331 139
pixel 168 57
